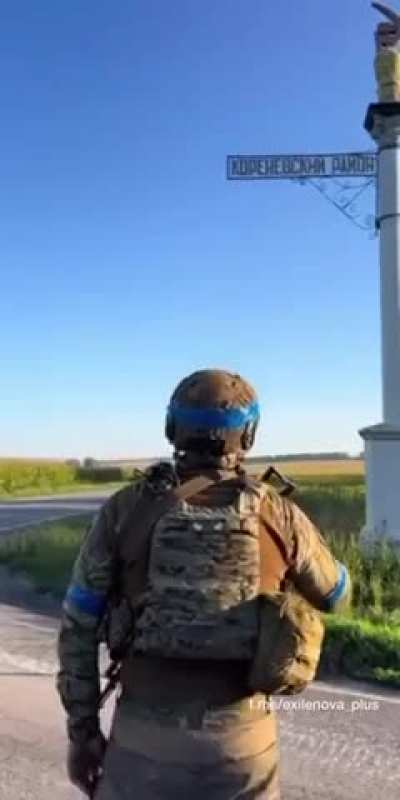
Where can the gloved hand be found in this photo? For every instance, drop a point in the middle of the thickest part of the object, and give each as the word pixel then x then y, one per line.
pixel 84 763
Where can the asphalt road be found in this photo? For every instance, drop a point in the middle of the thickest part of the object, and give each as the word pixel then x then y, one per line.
pixel 24 513
pixel 338 742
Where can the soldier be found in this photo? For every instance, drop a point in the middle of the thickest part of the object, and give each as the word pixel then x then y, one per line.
pixel 185 723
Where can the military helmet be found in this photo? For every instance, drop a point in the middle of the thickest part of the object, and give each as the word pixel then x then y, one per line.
pixel 212 411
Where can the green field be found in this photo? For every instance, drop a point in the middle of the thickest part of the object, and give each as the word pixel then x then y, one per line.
pixel 28 478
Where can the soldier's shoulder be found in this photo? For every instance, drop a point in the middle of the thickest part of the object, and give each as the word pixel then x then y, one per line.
pixel 268 498
pixel 275 507
pixel 120 500
pixel 265 491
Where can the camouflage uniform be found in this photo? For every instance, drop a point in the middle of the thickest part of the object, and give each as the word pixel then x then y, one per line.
pixel 181 728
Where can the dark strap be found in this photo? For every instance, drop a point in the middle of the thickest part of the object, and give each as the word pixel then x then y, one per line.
pixel 142 519
pixel 273 561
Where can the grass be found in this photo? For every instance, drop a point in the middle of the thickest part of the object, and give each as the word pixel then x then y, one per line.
pixel 16 476
pixel 362 649
pixel 46 554
pixel 337 508
pixel 30 478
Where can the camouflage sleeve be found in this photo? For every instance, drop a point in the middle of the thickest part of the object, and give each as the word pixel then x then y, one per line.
pixel 315 572
pixel 84 606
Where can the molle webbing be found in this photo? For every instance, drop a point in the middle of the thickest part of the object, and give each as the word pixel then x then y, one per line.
pixel 271 571
pixel 200 600
pixel 143 517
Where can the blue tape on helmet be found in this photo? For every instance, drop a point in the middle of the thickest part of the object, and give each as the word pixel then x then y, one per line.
pixel 210 418
pixel 93 603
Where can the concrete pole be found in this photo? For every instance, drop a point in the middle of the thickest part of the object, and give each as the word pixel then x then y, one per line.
pixel 382 441
pixel 388 220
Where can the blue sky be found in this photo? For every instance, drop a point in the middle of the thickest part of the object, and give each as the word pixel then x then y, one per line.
pixel 127 260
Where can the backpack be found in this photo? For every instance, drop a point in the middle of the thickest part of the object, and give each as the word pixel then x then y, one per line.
pixel 203 581
pixel 189 601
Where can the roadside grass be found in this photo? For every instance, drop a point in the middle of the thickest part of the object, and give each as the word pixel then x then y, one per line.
pixel 337 508
pixel 364 643
pixel 362 649
pixel 45 554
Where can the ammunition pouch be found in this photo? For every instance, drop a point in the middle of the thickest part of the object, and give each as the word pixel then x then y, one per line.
pixel 289 644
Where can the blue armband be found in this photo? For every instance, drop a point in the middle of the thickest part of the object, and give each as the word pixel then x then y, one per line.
pixel 339 591
pixel 93 603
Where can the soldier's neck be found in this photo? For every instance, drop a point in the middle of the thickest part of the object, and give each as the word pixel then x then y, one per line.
pixel 191 463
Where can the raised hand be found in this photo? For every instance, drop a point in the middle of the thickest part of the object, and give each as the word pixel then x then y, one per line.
pixel 388 12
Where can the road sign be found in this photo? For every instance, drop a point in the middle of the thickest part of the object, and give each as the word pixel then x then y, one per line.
pixel 284 167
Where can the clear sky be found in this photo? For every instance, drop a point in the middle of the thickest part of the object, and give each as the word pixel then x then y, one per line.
pixel 127 260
